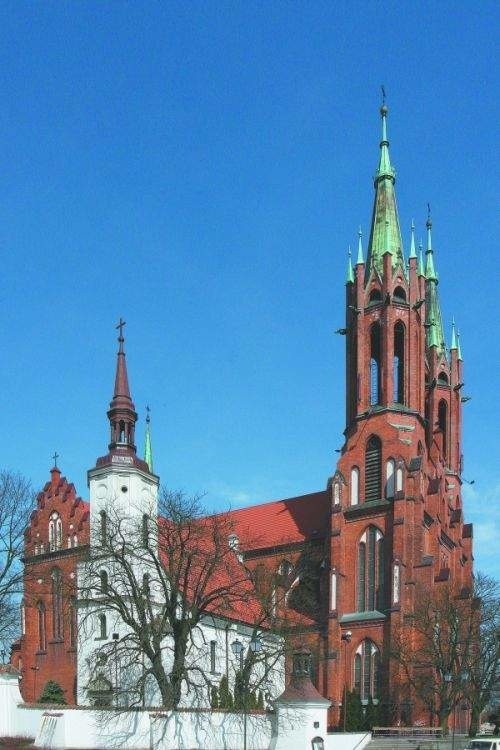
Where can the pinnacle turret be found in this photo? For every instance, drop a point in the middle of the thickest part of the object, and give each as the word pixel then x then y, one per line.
pixel 412 254
pixel 453 336
pixel 360 259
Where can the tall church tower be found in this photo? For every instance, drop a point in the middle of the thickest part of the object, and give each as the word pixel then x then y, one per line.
pixel 121 484
pixel 396 494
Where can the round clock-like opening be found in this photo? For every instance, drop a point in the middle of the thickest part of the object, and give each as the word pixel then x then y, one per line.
pixel 124 488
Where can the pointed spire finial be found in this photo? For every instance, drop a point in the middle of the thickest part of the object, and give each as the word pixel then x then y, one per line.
pixel 55 457
pixel 412 254
pixel 421 271
pixel 453 336
pixel 459 349
pixel 350 273
pixel 360 258
pixel 148 450
pixel 430 271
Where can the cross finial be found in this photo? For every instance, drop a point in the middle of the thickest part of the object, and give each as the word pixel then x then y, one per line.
pixel 383 95
pixel 55 457
pixel 148 418
pixel 429 221
pixel 119 327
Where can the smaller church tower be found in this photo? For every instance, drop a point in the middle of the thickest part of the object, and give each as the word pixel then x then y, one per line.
pixel 121 483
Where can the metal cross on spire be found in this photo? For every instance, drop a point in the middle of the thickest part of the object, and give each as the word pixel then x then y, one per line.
pixel 148 418
pixel 55 457
pixel 119 327
pixel 383 95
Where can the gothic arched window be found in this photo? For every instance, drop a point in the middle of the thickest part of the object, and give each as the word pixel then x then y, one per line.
pixel 354 485
pixel 367 670
pixel 373 469
pixel 443 423
pixel 57 604
pixel 103 528
pixel 103 627
pixel 103 582
pixel 42 632
pixel 390 478
pixel 399 294
pixel 375 364
pixel 399 364
pixel 145 530
pixel 370 572
pixel 72 622
pixel 55 532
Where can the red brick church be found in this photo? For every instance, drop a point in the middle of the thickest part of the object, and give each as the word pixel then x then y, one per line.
pixel 352 554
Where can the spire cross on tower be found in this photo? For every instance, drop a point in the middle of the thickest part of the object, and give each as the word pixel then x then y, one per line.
pixel 55 457
pixel 148 418
pixel 120 335
pixel 383 94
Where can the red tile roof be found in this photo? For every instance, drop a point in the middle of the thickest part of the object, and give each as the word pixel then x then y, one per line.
pixel 296 519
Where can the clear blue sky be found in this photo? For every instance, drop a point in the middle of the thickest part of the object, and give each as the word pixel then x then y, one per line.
pixel 200 168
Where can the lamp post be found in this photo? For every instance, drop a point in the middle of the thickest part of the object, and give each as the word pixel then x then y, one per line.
pixel 238 650
pixel 346 638
pixel 2 654
pixel 448 677
pixel 116 636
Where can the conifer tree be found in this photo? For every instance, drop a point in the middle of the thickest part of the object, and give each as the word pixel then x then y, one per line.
pixel 52 693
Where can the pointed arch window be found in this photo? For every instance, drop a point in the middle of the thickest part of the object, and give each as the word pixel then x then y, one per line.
pixel 443 423
pixel 373 469
pixel 399 366
pixel 103 530
pixel 72 622
pixel 57 604
pixel 55 532
pixel 399 478
pixel 390 479
pixel 370 571
pixel 103 627
pixel 354 485
pixel 375 390
pixel 103 582
pixel 367 670
pixel 145 530
pixel 42 632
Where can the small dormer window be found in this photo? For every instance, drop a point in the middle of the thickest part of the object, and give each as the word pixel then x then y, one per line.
pixel 375 295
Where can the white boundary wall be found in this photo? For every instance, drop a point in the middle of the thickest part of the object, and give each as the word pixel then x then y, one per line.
pixel 291 727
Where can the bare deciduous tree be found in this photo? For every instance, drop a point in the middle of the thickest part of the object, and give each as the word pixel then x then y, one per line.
pixel 16 502
pixel 448 648
pixel 163 577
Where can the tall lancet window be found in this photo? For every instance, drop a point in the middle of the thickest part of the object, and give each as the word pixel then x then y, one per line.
pixel 373 469
pixel 371 571
pixel 57 604
pixel 375 395
pixel 443 423
pixel 399 364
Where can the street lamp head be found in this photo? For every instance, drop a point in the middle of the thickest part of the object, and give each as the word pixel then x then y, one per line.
pixel 237 647
pixel 255 645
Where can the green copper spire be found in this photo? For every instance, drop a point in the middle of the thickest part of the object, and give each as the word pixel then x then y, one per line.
pixel 453 336
pixel 430 272
pixel 435 331
pixel 385 234
pixel 459 350
pixel 148 450
pixel 360 248
pixel 349 279
pixel 412 254
pixel 421 271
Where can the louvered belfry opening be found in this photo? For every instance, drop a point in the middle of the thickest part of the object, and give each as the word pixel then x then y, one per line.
pixel 373 469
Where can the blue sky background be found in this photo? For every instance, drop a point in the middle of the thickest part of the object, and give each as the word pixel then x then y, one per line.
pixel 200 168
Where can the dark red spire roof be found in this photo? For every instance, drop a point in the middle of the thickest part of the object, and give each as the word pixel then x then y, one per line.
pixel 122 414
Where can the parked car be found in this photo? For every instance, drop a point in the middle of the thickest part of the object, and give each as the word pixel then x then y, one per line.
pixel 483 743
